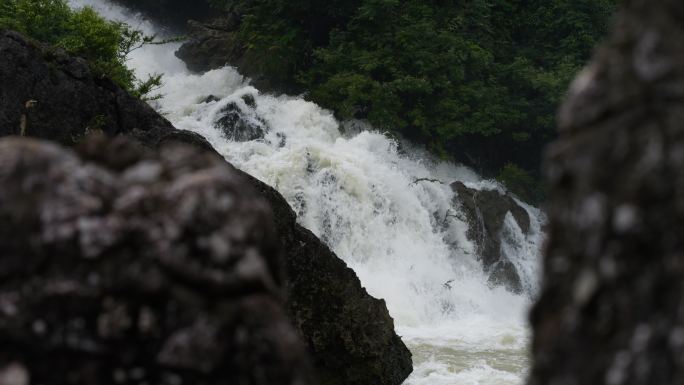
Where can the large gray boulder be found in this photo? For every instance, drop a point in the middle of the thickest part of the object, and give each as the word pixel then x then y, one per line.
pixel 610 311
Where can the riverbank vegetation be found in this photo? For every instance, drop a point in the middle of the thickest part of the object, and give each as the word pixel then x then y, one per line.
pixel 475 81
pixel 104 44
pixel 478 81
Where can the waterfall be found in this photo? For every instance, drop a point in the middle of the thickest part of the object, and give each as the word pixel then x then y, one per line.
pixel 357 190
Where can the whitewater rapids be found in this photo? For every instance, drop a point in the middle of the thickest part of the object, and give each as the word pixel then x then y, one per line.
pixel 354 188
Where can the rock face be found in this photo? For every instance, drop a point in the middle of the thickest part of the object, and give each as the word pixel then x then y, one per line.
pixel 51 95
pixel 349 334
pixel 486 213
pixel 211 45
pixel 214 43
pixel 122 266
pixel 239 122
pixel 611 306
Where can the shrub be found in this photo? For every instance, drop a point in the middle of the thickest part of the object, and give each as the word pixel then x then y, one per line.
pixel 104 44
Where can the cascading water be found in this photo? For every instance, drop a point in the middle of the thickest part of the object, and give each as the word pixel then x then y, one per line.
pixel 359 192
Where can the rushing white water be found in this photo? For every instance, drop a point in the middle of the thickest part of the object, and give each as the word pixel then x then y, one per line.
pixel 356 190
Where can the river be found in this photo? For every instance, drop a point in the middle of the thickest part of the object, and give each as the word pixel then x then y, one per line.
pixel 355 188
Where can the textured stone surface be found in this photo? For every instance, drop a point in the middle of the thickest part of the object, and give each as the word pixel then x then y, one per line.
pixel 121 266
pixel 485 211
pixel 611 306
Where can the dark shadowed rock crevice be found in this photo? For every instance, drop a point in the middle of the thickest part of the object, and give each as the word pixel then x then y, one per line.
pixel 349 334
pixel 611 305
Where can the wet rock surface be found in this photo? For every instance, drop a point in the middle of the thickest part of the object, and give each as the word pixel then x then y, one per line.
pixel 211 45
pixel 611 305
pixel 215 43
pixel 119 265
pixel 349 334
pixel 239 122
pixel 485 212
pixel 51 95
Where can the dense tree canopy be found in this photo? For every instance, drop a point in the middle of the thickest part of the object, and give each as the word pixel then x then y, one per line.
pixel 468 78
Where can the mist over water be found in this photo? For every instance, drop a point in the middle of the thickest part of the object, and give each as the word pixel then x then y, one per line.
pixel 356 189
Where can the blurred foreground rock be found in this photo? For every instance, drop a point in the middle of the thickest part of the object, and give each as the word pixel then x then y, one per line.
pixel 121 266
pixel 349 334
pixel 611 310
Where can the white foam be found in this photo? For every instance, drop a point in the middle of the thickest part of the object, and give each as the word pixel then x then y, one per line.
pixel 358 192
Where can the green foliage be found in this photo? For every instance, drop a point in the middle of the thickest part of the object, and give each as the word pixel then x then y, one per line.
pixel 441 72
pixel 84 33
pixel 521 183
pixel 437 71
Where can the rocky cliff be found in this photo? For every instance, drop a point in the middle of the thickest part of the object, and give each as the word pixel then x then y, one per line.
pixel 611 306
pixel 349 334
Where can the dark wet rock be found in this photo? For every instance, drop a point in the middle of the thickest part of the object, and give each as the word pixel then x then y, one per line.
pixel 215 43
pixel 61 100
pixel 249 100
pixel 211 45
pixel 349 333
pixel 485 211
pixel 610 311
pixel 239 125
pixel 504 273
pixel 156 268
